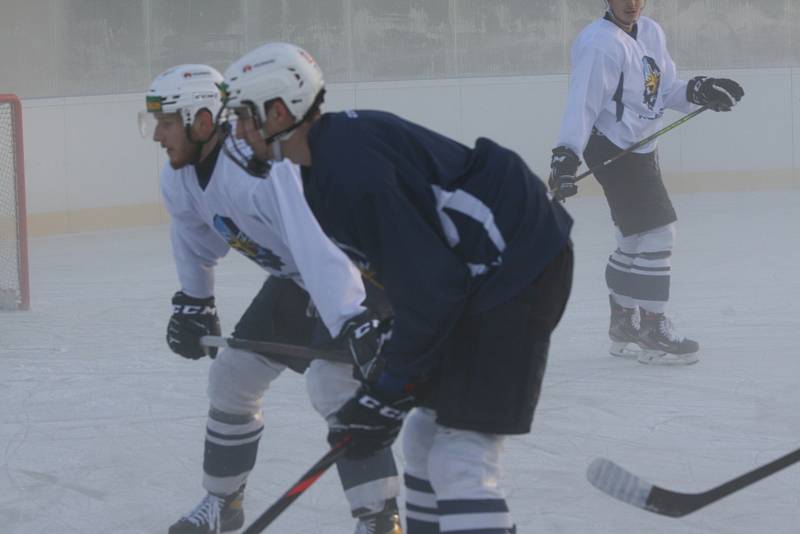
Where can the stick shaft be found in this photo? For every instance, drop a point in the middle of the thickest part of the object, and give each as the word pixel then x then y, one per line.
pixel 278 349
pixel 299 487
pixel 641 143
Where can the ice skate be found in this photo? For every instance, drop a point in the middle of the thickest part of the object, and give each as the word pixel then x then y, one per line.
pixel 214 514
pixel 385 521
pixel 661 345
pixel 623 331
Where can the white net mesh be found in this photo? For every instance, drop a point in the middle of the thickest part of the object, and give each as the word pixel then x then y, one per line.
pixel 10 264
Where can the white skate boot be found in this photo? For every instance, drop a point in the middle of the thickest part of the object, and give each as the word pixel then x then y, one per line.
pixel 214 514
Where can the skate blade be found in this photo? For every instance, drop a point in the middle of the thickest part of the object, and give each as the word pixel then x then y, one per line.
pixel 624 350
pixel 658 357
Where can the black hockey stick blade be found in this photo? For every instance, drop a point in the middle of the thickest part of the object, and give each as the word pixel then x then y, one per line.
pixel 278 349
pixel 641 143
pixel 623 485
pixel 299 487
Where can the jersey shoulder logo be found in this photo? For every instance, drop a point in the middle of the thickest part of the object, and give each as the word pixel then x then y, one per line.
pixel 241 242
pixel 652 81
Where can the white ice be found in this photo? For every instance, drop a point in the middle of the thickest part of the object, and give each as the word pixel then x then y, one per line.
pixel 101 427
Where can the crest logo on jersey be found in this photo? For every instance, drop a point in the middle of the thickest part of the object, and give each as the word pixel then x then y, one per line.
pixel 652 81
pixel 241 242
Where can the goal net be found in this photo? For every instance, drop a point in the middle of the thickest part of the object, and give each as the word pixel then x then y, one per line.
pixel 14 290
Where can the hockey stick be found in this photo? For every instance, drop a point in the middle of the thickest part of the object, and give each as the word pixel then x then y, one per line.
pixel 621 484
pixel 641 143
pixel 278 349
pixel 311 476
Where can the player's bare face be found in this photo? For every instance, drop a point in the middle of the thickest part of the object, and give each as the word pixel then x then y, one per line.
pixel 171 135
pixel 626 12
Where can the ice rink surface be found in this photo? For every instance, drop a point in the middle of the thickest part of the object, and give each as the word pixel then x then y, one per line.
pixel 102 427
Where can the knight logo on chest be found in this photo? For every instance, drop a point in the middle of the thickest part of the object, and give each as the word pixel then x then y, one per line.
pixel 652 81
pixel 240 241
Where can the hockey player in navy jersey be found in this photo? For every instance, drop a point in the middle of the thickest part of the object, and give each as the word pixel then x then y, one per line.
pixel 475 260
pixel 214 205
pixel 622 81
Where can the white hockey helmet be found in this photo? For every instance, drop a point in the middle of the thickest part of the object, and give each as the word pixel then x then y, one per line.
pixel 185 89
pixel 274 71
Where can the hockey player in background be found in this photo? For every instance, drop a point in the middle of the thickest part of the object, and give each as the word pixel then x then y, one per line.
pixel 214 205
pixel 475 260
pixel 622 81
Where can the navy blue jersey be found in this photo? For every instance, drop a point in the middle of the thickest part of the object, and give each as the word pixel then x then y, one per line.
pixel 445 228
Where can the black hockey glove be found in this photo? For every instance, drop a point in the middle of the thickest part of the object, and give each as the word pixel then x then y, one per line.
pixel 563 167
pixel 366 335
pixel 191 319
pixel 372 419
pixel 719 94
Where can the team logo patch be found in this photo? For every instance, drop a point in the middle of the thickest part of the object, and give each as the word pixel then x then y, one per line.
pixel 652 81
pixel 241 242
pixel 153 103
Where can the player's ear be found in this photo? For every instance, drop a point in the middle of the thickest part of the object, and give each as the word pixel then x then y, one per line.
pixel 203 124
pixel 277 110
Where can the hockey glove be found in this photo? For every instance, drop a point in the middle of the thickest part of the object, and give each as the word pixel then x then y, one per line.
pixel 366 335
pixel 191 319
pixel 563 167
pixel 719 94
pixel 372 419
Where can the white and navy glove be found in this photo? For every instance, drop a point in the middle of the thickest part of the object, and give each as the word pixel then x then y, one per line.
pixel 563 168
pixel 365 335
pixel 718 94
pixel 371 419
pixel 191 319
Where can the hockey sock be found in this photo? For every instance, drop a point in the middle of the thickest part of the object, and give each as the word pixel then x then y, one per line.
pixel 422 513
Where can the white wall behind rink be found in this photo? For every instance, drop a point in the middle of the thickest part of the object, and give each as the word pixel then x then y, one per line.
pixel 87 168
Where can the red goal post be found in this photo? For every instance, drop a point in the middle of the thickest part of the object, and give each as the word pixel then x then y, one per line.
pixel 14 282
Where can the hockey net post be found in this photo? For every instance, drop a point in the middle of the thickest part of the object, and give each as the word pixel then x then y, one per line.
pixel 14 281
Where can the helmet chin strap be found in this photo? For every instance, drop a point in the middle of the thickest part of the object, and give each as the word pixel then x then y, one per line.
pixel 274 142
pixel 197 147
pixel 614 17
pixel 276 138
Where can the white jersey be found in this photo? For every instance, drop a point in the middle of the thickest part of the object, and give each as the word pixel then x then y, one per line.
pixel 620 84
pixel 267 220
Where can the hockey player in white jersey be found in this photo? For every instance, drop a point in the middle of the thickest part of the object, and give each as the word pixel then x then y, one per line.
pixel 214 205
pixel 622 81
